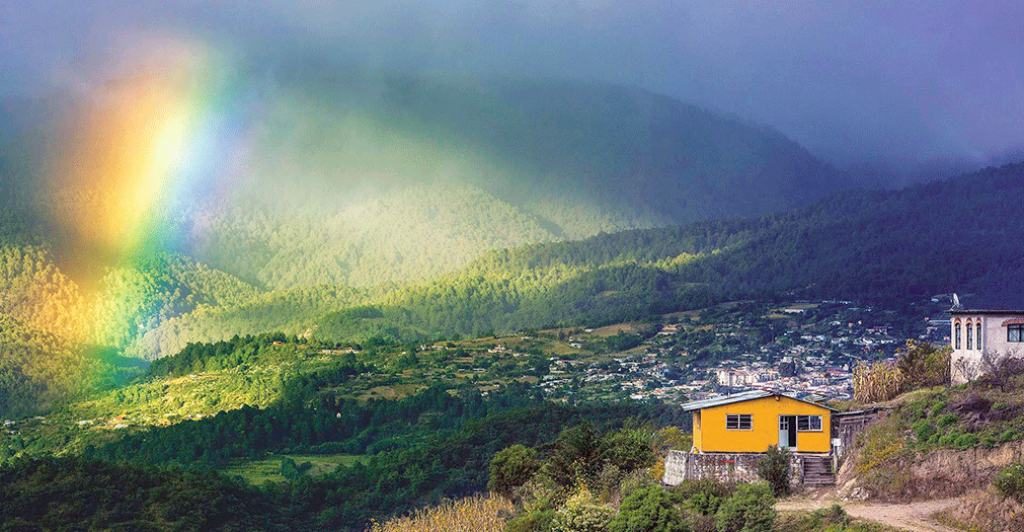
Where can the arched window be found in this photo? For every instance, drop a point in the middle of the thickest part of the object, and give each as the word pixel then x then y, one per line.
pixel 970 337
pixel 978 336
pixel 956 336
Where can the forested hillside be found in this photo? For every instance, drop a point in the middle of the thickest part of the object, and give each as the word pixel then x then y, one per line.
pixel 887 247
pixel 884 247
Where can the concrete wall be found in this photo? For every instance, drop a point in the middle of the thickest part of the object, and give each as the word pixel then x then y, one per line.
pixel 723 467
pixel 964 362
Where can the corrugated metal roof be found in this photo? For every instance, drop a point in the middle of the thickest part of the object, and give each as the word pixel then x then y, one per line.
pixel 726 399
pixel 741 397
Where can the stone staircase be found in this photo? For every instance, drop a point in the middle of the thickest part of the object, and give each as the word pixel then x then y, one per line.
pixel 817 471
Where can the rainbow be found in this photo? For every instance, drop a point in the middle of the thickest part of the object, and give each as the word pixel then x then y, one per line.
pixel 152 142
pixel 143 152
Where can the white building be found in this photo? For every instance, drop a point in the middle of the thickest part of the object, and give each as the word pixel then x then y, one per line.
pixel 981 326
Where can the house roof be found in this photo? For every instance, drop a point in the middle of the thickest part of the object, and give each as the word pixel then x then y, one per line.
pixel 741 397
pixel 1008 302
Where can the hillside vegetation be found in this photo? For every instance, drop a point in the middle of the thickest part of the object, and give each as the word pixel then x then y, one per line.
pixel 879 247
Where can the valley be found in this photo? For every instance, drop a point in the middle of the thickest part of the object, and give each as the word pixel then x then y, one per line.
pixel 270 288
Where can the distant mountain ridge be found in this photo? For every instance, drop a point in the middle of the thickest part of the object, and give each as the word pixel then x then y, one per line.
pixel 368 180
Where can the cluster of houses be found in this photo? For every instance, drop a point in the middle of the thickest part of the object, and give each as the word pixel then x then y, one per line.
pixel 730 433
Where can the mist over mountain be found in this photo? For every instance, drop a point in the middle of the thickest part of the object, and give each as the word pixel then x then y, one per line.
pixel 359 180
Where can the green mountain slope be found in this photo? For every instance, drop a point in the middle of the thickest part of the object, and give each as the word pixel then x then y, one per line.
pixel 884 247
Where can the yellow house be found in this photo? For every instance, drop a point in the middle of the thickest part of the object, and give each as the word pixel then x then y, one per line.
pixel 749 422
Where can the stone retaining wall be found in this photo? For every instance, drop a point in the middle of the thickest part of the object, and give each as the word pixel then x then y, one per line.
pixel 723 467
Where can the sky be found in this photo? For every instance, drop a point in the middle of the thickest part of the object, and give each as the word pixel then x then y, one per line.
pixel 896 86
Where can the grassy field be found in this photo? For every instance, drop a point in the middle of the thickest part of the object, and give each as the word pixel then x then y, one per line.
pixel 268 469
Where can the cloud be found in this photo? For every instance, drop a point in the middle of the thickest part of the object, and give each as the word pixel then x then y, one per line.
pixel 896 84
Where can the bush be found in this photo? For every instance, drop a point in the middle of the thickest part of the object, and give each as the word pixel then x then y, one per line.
pixel 582 513
pixel 292 471
pixel 1010 482
pixel 648 509
pixel 702 497
pixel 576 457
pixel 923 364
pixel 749 509
pixel 532 521
pixel 541 493
pixel 628 449
pixel 923 430
pixel 510 468
pixel 774 469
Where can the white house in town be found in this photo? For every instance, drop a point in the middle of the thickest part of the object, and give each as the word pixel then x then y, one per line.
pixel 983 326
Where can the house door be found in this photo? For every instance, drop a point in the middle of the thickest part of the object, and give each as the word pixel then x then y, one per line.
pixel 787 432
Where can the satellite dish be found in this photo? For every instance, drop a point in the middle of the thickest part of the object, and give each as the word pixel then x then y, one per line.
pixel 956 301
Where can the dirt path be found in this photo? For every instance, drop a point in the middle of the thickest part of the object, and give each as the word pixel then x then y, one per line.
pixel 914 516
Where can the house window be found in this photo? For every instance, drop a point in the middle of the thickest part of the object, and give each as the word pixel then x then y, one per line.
pixel 956 337
pixel 808 423
pixel 1015 333
pixel 970 337
pixel 738 422
pixel 978 336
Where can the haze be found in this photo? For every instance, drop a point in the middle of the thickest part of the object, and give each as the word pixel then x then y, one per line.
pixel 896 89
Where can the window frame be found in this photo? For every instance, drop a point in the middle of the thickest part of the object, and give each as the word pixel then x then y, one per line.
pixel 739 422
pixel 956 336
pixel 1019 329
pixel 970 336
pixel 803 423
pixel 977 336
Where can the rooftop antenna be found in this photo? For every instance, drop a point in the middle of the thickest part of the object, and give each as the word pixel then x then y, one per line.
pixel 956 301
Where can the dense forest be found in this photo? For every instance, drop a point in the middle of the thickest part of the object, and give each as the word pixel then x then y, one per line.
pixel 432 445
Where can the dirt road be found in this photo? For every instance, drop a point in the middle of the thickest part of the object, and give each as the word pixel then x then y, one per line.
pixel 914 516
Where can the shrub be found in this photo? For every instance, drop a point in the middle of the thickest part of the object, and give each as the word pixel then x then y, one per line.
pixel 966 441
pixel 774 469
pixel 293 471
pixel 628 449
pixel 510 468
pixel 607 482
pixel 922 364
pixel 669 438
pixel 541 493
pixel 532 521
pixel 582 513
pixel 634 481
pixel 648 509
pixel 577 455
pixel 701 523
pixel 923 430
pixel 702 497
pixel 1010 482
pixel 946 420
pixel 749 509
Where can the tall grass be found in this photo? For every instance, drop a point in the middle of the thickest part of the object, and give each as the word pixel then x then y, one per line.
pixel 472 514
pixel 875 382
